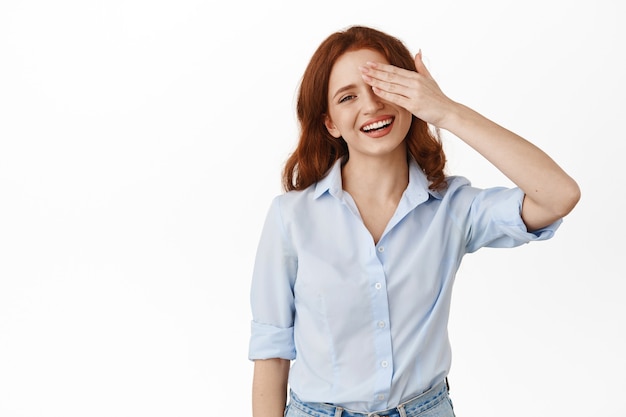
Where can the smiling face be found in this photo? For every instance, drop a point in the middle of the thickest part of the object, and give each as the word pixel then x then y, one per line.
pixel 370 125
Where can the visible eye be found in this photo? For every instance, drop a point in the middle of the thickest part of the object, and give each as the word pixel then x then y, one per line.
pixel 346 98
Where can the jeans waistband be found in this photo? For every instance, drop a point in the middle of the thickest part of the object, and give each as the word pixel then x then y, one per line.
pixel 412 407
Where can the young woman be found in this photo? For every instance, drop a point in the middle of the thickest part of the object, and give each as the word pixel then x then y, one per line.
pixel 353 277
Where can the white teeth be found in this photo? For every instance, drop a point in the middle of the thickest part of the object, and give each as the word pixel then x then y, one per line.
pixel 377 125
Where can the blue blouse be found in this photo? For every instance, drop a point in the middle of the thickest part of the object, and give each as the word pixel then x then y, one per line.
pixel 366 324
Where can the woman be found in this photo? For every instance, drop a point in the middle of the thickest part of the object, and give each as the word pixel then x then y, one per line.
pixel 353 277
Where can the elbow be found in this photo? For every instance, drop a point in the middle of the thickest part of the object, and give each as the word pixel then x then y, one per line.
pixel 556 204
pixel 569 198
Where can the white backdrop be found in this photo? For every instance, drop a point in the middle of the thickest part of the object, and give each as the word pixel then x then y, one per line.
pixel 142 141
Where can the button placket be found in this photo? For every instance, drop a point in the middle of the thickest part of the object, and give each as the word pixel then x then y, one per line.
pixel 382 336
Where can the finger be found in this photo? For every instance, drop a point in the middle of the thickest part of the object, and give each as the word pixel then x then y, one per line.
pixel 388 73
pixel 395 98
pixel 391 83
pixel 386 86
pixel 420 67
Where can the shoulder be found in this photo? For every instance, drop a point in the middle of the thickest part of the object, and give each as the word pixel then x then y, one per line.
pixel 294 201
pixel 296 197
pixel 458 188
pixel 456 181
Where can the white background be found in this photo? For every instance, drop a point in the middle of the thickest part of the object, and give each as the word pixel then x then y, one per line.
pixel 142 141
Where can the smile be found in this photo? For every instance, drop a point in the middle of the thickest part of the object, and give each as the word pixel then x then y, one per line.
pixel 381 124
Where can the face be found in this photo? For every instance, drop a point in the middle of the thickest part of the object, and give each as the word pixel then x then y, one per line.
pixel 370 125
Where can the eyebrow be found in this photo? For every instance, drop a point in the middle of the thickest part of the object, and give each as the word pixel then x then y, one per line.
pixel 344 88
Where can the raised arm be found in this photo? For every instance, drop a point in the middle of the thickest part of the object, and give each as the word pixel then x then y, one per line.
pixel 550 193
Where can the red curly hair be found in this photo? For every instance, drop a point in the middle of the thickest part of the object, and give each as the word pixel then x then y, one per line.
pixel 317 150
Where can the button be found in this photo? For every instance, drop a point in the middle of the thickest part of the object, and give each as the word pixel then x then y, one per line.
pixel 384 364
pixel 378 285
pixel 381 324
pixel 381 249
pixel 381 397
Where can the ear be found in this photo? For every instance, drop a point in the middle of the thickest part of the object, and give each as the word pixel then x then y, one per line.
pixel 330 126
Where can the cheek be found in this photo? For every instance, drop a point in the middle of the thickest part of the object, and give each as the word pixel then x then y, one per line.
pixel 339 119
pixel 405 121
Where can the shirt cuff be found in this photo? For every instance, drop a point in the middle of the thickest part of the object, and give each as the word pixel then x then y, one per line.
pixel 268 342
pixel 509 214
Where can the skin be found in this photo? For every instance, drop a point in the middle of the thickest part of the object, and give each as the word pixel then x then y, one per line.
pixel 269 387
pixel 363 87
pixel 376 173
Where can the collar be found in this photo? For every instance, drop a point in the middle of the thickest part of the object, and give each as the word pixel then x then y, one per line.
pixel 417 191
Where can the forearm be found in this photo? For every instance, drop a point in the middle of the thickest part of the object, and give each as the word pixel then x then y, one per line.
pixel 269 387
pixel 550 192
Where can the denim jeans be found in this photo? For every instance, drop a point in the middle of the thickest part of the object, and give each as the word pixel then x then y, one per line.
pixel 433 403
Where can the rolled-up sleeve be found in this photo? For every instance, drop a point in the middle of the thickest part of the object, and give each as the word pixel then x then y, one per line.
pixel 269 341
pixel 496 221
pixel 271 295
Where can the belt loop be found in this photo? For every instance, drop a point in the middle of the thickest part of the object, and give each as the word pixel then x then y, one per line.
pixel 402 410
pixel 338 411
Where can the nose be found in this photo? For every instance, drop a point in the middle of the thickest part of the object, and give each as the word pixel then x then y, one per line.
pixel 371 102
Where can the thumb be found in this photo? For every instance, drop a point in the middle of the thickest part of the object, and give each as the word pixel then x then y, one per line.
pixel 420 67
